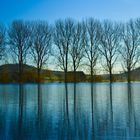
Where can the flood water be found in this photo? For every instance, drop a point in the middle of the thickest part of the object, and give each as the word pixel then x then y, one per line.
pixel 58 111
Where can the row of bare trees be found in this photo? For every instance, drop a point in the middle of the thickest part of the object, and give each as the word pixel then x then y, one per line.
pixel 30 39
pixel 72 43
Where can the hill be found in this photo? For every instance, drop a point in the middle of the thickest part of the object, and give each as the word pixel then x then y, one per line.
pixel 135 76
pixel 10 73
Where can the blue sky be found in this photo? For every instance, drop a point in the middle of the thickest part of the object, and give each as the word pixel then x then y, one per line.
pixel 118 10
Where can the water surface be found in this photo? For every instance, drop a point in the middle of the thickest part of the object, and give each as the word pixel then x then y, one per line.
pixel 58 111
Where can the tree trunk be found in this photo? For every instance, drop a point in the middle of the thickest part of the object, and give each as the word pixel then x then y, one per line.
pixel 110 75
pixel 129 76
pixel 91 72
pixel 66 67
pixel 38 75
pixel 75 79
pixel 20 71
pixel 74 91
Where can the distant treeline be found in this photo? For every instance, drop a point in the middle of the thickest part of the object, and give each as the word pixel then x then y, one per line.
pixel 70 44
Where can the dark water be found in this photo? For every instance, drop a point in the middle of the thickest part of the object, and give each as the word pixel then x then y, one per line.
pixel 58 111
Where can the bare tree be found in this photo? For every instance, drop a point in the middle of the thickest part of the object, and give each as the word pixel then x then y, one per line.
pixel 19 42
pixel 2 40
pixel 91 43
pixel 130 47
pixel 109 45
pixel 62 39
pixel 77 53
pixel 41 44
pixel 77 47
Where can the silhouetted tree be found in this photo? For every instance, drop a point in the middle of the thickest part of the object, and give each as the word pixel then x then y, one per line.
pixel 130 47
pixel 41 44
pixel 76 52
pixel 62 39
pixel 19 42
pixel 91 43
pixel 77 46
pixel 91 49
pixel 63 31
pixel 109 45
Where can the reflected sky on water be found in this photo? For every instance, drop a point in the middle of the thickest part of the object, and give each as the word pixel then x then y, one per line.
pixel 51 112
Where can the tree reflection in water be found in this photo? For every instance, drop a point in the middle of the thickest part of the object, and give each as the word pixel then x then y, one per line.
pixel 73 111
